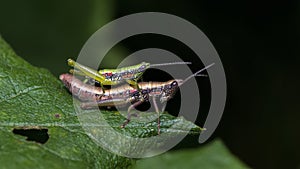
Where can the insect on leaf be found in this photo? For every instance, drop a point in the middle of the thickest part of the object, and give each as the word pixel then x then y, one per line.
pixel 39 127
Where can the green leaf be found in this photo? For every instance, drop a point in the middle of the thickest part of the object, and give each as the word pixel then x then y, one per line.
pixel 35 104
pixel 215 155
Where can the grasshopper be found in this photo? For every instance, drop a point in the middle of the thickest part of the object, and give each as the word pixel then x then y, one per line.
pixel 130 74
pixel 93 97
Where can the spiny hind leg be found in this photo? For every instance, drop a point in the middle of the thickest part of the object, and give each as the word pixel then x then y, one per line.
pixel 86 71
pixel 129 114
pixel 87 80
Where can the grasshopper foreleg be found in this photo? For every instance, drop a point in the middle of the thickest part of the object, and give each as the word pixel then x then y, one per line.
pixel 158 113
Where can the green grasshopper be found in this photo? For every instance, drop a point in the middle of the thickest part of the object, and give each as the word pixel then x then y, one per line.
pixel 130 74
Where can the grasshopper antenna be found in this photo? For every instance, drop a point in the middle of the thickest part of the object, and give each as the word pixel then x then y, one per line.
pixel 171 63
pixel 202 75
pixel 195 74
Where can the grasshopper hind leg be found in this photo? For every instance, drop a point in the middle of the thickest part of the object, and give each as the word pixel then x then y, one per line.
pixel 130 114
pixel 141 99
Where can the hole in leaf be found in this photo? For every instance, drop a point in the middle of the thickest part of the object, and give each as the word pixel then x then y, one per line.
pixel 37 135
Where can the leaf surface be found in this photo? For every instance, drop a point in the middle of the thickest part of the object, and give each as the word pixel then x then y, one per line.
pixel 35 103
pixel 215 155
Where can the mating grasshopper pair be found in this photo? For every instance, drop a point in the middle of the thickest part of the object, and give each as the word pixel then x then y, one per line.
pixel 134 94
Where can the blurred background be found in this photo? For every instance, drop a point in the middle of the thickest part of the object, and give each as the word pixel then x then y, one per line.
pixel 258 43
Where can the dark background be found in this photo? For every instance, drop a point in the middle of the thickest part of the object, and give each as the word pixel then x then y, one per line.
pixel 258 43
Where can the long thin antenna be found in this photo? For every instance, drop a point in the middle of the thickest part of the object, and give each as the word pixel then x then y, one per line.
pixel 202 75
pixel 171 63
pixel 196 74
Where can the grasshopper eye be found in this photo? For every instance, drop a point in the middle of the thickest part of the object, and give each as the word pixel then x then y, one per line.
pixel 174 84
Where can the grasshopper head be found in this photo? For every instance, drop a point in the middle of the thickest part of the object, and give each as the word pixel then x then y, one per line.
pixel 169 90
pixel 143 66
